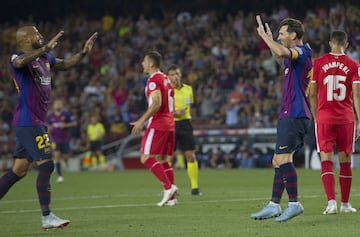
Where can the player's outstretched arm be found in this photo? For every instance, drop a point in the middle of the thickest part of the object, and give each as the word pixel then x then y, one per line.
pixel 64 64
pixel 27 57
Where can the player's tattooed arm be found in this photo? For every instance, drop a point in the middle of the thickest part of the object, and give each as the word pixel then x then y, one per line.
pixel 64 64
pixel 29 56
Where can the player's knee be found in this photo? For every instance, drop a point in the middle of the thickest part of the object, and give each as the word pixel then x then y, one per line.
pixel 274 163
pixel 21 171
pixel 21 167
pixel 143 159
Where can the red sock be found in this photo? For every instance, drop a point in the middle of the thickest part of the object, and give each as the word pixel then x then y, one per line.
pixel 328 179
pixel 345 179
pixel 157 169
pixel 170 174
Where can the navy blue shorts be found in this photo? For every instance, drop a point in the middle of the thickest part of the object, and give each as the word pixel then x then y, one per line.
pixel 32 143
pixel 290 134
pixel 64 148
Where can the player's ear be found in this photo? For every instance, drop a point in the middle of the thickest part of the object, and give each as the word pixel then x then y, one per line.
pixel 293 35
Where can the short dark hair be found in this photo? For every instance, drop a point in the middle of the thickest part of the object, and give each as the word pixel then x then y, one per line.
pixel 155 57
pixel 339 37
pixel 293 26
pixel 173 67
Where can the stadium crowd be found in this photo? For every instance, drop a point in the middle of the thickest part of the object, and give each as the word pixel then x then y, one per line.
pixel 236 81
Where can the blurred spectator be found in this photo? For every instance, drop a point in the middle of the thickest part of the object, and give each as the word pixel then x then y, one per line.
pixel 269 64
pixel 4 137
pixel 232 115
pixel 108 22
pixel 220 159
pixel 247 160
pixel 6 111
pixel 265 159
pixel 204 157
pixel 218 118
pixel 353 52
pixel 224 79
pixel 118 128
pixel 206 107
pixel 75 131
pixel 120 94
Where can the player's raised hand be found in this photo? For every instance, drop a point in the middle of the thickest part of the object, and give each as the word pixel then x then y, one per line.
pixel 260 28
pixel 268 31
pixel 90 43
pixel 53 42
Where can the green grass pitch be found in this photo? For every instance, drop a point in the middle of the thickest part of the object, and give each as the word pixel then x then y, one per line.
pixel 124 204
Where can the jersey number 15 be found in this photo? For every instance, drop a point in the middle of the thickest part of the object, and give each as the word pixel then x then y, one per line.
pixel 336 88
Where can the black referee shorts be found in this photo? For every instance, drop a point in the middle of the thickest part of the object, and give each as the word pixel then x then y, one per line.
pixel 184 135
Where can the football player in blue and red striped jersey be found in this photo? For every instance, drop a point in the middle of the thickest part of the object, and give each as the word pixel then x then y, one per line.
pixel 295 115
pixel 31 69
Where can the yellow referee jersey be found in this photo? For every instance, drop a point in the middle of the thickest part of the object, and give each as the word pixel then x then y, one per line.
pixel 95 131
pixel 184 99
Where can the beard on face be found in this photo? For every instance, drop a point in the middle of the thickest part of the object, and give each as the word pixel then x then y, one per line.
pixel 38 44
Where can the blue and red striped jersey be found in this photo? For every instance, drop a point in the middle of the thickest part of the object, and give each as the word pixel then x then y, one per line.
pixel 298 69
pixel 59 135
pixel 33 83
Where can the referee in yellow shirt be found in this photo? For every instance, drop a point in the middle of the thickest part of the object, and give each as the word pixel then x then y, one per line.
pixel 184 136
pixel 96 133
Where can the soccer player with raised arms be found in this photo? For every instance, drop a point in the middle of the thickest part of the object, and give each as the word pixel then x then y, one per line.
pixel 295 115
pixel 31 69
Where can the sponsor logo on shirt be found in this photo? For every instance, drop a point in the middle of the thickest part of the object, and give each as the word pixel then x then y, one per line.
pixel 45 81
pixel 152 85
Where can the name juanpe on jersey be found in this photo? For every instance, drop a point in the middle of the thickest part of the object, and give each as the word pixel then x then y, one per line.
pixel 339 65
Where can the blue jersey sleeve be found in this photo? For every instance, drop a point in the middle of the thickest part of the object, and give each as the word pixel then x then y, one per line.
pixel 51 58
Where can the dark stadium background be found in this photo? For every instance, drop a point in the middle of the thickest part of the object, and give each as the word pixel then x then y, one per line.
pixel 15 10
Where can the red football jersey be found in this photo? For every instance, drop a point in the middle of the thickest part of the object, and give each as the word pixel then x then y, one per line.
pixel 334 75
pixel 163 119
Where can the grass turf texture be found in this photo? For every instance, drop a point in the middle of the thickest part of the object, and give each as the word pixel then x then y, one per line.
pixel 124 204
